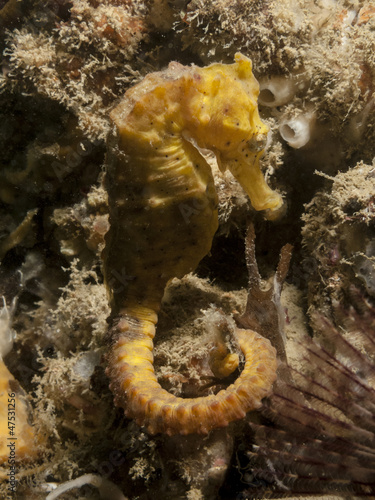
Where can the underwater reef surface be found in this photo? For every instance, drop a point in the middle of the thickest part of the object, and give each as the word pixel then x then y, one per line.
pixel 65 65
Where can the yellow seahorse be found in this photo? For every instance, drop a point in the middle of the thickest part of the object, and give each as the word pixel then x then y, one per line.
pixel 163 215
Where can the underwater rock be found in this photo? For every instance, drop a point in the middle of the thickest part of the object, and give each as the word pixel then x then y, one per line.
pixel 81 229
pixel 339 235
pixel 81 61
pixel 269 32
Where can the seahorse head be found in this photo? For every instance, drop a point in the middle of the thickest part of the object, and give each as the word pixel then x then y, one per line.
pixel 223 108
pixel 222 115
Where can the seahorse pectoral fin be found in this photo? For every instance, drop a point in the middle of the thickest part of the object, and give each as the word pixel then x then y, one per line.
pixel 247 172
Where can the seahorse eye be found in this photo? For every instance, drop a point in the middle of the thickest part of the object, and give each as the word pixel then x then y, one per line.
pixel 257 143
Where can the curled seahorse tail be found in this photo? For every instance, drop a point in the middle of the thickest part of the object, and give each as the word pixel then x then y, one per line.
pixel 136 389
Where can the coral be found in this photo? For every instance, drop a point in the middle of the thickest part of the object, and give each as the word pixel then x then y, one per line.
pixel 82 308
pixel 297 131
pixel 59 368
pixel 151 164
pixel 189 343
pixel 277 90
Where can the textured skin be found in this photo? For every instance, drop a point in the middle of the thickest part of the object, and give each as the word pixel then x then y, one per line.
pixel 163 212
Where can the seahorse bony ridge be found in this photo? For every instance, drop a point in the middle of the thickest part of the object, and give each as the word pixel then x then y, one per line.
pixel 153 171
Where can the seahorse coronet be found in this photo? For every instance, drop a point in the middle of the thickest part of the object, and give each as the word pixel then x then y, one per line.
pixel 163 217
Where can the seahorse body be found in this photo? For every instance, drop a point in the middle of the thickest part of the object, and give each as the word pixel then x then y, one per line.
pixel 163 213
